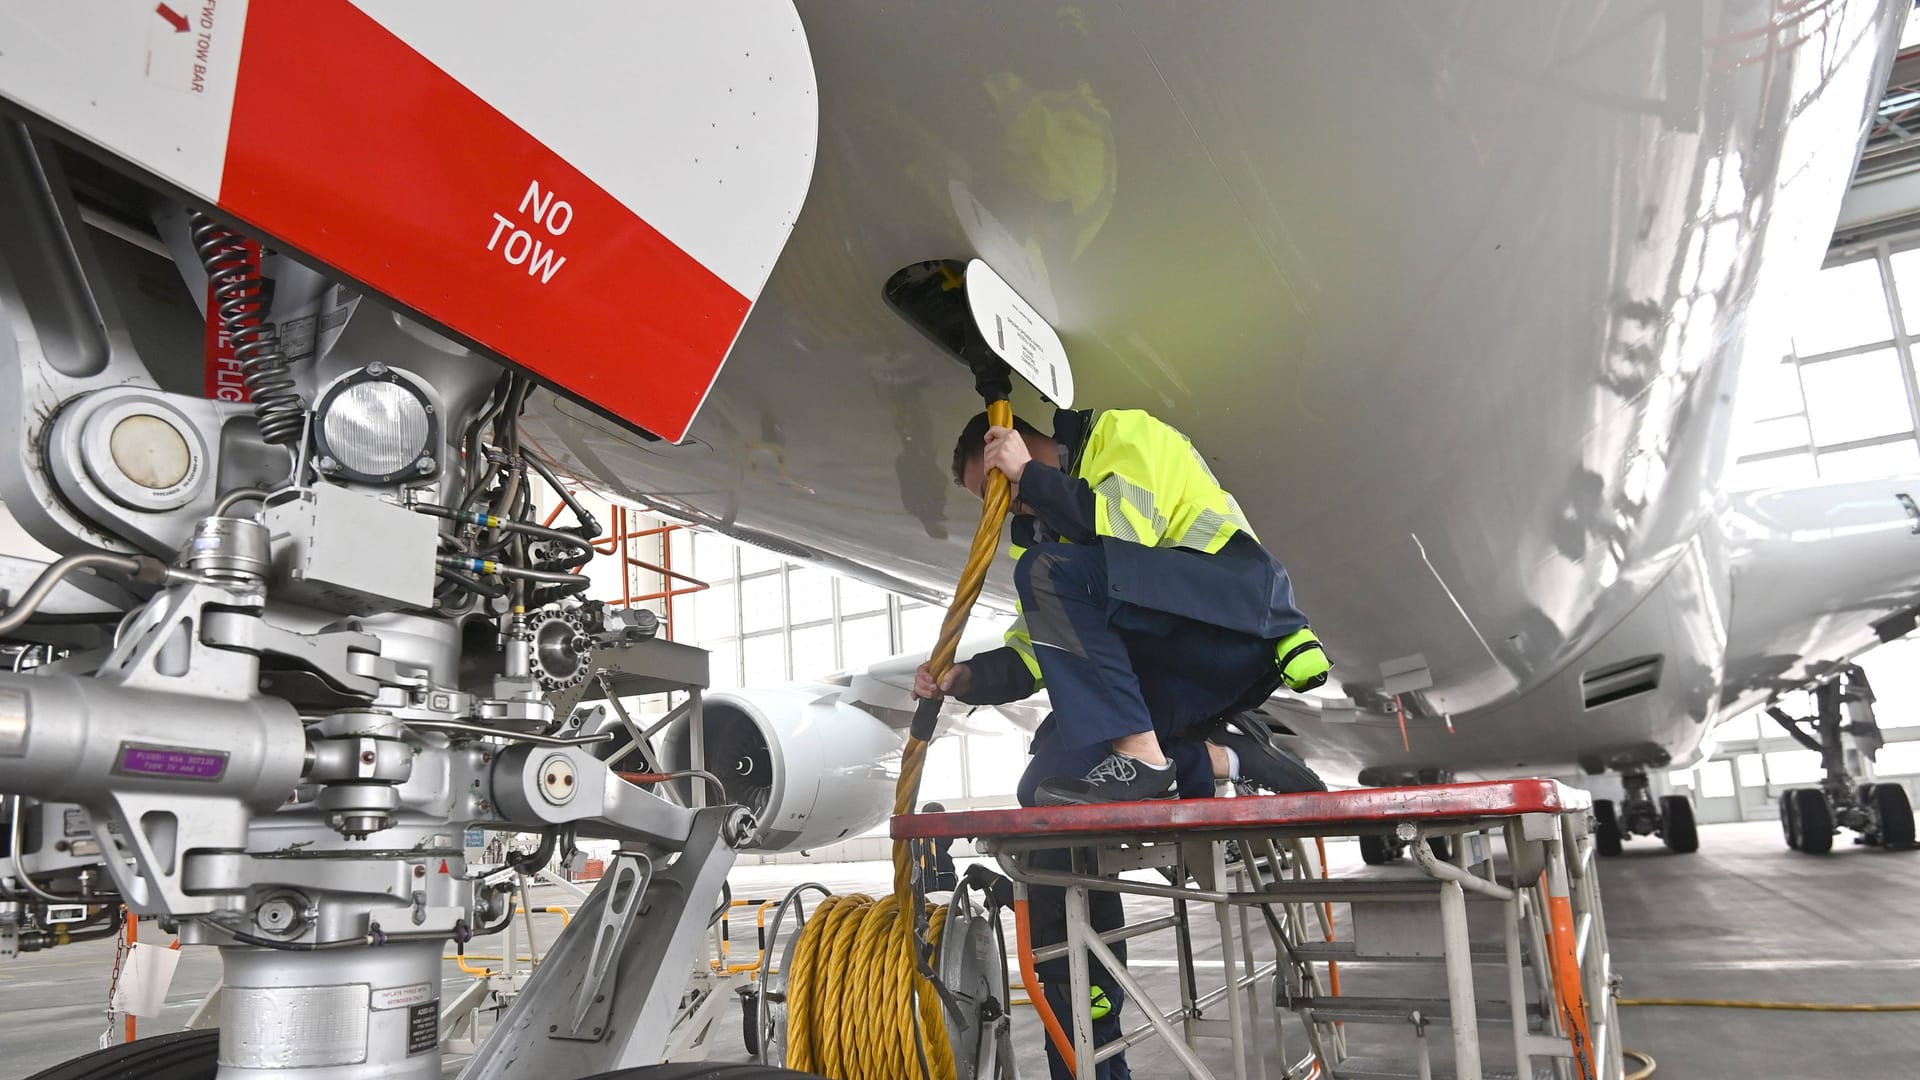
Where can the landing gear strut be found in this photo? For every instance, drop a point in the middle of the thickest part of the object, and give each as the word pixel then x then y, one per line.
pixel 1670 818
pixel 1846 736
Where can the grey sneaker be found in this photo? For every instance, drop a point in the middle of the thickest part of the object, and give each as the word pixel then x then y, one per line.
pixel 1118 778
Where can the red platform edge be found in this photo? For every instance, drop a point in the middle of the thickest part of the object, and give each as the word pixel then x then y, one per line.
pixel 1362 808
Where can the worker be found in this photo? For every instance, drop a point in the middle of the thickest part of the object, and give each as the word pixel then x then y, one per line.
pixel 1149 610
pixel 941 876
pixel 1153 617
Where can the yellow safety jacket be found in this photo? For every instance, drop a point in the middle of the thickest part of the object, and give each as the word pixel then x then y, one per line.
pixel 1175 540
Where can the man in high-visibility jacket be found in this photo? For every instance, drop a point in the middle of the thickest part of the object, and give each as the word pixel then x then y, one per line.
pixel 1148 610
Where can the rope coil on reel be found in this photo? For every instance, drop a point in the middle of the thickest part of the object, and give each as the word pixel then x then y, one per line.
pixel 858 1007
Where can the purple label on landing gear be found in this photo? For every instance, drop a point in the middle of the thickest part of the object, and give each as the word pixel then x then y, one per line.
pixel 171 761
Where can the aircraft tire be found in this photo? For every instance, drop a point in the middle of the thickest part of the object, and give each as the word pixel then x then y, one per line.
pixel 180 1055
pixel 1895 811
pixel 1677 828
pixel 1788 820
pixel 1812 820
pixel 1606 828
pixel 1376 850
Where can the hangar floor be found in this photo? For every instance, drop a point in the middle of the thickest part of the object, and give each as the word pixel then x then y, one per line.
pixel 1743 919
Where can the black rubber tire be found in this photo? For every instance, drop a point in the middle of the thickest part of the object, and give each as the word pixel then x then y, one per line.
pixel 1377 850
pixel 1895 811
pixel 1606 828
pixel 1788 821
pixel 1676 825
pixel 750 1019
pixel 699 1070
pixel 1813 820
pixel 181 1055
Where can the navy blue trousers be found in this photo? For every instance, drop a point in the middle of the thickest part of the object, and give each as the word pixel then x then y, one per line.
pixel 1114 669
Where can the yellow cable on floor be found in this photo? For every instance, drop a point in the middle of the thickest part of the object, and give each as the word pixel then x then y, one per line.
pixel 1778 1006
pixel 1648 1065
pixel 851 996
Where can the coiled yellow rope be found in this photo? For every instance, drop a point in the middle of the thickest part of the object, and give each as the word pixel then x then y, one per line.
pixel 851 995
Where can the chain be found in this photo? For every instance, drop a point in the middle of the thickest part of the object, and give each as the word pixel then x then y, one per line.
pixel 120 950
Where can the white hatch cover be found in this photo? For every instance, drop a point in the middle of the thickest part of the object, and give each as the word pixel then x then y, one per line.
pixel 1018 334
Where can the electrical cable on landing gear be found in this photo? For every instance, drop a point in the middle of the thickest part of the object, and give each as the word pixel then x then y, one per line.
pixel 858 1007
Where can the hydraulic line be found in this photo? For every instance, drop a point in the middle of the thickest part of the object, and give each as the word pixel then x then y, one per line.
pixel 142 568
pixel 858 1007
pixel 240 303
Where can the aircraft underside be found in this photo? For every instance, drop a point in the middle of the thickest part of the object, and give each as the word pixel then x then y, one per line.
pixel 1451 299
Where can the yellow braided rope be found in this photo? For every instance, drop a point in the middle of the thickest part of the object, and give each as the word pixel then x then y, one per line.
pixel 851 995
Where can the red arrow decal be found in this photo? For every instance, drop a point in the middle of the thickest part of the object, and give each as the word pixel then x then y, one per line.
pixel 443 866
pixel 178 20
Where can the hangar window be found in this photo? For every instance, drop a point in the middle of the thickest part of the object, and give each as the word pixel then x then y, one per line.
pixel 1843 306
pixel 1856 397
pixel 1841 404
pixel 1793 767
pixel 1716 780
pixel 1897 759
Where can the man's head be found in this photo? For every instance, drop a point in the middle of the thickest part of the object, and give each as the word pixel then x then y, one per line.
pixel 968 451
pixel 933 808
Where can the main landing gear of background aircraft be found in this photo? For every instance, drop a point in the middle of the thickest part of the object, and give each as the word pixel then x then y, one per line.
pixel 1670 818
pixel 1845 735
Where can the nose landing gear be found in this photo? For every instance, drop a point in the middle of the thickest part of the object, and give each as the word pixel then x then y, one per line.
pixel 1670 818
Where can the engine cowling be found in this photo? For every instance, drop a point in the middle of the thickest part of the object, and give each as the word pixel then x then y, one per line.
pixel 813 769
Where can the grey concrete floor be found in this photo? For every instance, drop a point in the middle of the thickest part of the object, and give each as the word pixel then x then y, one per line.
pixel 1743 919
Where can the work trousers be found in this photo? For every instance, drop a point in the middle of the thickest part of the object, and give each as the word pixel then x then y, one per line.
pixel 1114 669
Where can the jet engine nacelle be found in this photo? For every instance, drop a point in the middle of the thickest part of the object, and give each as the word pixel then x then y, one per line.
pixel 813 769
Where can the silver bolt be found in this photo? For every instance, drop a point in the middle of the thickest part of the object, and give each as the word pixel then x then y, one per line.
pixel 376 368
pixel 425 465
pixel 325 463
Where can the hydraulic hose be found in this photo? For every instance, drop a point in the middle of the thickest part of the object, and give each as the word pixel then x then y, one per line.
pixel 858 1007
pixel 147 570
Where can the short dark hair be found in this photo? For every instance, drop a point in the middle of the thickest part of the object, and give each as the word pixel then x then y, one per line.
pixel 973 442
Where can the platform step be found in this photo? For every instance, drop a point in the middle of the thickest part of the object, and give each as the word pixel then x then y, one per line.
pixel 1361 890
pixel 1344 952
pixel 1348 1009
pixel 1370 1068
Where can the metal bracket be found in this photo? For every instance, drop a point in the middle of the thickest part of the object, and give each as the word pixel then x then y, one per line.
pixel 629 876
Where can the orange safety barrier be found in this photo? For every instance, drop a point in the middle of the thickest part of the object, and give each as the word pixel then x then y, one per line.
pixel 619 540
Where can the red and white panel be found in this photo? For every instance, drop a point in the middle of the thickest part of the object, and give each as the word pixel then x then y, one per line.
pixel 595 193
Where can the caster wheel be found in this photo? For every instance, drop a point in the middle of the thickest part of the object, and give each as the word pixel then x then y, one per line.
pixel 1377 850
